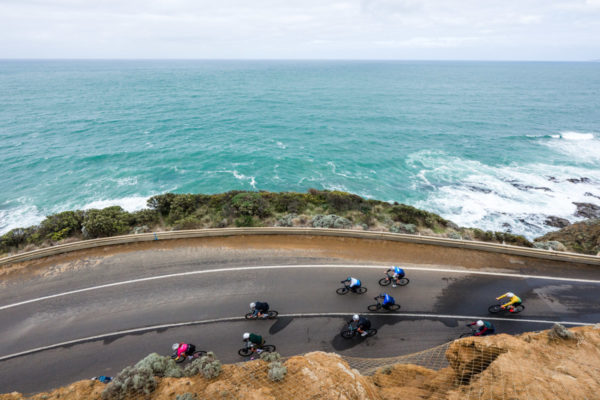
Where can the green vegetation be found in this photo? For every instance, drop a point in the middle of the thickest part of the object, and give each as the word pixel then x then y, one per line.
pixel 316 208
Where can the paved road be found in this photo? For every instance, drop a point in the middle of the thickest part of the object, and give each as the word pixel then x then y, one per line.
pixel 149 291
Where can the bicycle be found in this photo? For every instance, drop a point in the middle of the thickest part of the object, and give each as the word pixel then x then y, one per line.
pixel 351 331
pixel 271 314
pixel 379 306
pixel 497 308
pixel 468 334
pixel 388 279
pixel 248 350
pixel 346 289
pixel 195 355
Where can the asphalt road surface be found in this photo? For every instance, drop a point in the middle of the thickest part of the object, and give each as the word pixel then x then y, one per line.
pixel 96 315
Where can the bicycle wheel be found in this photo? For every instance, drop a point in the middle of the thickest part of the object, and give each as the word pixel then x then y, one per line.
pixel 268 348
pixel 179 359
pixel 361 290
pixel 384 281
pixel 273 314
pixel 371 332
pixel 466 334
pixel 342 290
pixel 198 354
pixel 403 281
pixel 374 307
pixel 394 307
pixel 245 351
pixel 347 334
pixel 249 316
pixel 496 308
pixel 519 308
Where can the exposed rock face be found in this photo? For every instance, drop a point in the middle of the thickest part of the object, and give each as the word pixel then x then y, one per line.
pixel 587 210
pixel 553 365
pixel 550 245
pixel 557 222
pixel 581 237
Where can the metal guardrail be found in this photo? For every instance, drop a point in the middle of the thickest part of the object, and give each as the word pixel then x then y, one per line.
pixel 225 232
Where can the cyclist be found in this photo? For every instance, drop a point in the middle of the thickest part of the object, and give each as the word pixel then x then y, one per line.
pixel 352 283
pixel 514 300
pixel 361 324
pixel 387 300
pixel 253 341
pixel 259 309
pixel 395 273
pixel 183 350
pixel 483 328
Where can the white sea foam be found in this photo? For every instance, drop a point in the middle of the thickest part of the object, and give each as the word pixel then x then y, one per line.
pixel 579 147
pixel 515 198
pixel 133 203
pixel 243 177
pixel 19 215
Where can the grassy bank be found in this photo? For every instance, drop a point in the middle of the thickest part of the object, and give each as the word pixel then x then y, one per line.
pixel 316 208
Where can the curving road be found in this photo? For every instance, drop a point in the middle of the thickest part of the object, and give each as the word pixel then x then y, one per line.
pixel 96 315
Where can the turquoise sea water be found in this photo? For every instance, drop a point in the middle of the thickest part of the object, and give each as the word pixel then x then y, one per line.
pixel 491 145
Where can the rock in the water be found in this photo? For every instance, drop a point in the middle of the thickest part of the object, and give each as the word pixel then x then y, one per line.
pixel 587 210
pixel 557 222
pixel 591 195
pixel 579 180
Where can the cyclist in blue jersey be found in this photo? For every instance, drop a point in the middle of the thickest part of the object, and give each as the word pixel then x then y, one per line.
pixel 387 300
pixel 395 273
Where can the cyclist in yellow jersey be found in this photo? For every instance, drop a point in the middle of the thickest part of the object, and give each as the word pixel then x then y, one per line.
pixel 514 300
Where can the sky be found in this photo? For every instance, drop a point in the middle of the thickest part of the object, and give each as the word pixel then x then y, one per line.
pixel 567 30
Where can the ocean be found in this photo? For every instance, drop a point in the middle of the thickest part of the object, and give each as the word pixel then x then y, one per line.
pixel 494 145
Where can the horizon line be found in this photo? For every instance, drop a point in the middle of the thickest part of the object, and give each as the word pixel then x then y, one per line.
pixel 290 59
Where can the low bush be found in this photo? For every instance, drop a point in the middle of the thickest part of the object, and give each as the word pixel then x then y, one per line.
pixel 182 206
pixel 160 366
pixel 330 221
pixel 277 371
pixel 130 382
pixel 110 221
pixel 189 222
pixel 161 203
pixel 270 356
pixel 411 215
pixel 207 365
pixel 62 225
pixel 145 217
pixel 249 204
pixel 403 228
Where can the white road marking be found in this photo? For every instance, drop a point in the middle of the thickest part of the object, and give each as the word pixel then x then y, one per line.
pixel 181 274
pixel 300 315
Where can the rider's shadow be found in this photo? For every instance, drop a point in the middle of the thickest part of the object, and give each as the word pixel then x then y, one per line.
pixel 280 324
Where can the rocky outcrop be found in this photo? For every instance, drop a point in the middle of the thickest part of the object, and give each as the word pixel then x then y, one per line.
pixel 587 210
pixel 580 237
pixel 550 245
pixel 556 222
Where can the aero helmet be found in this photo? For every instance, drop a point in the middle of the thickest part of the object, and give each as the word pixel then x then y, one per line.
pixel 175 346
pixel 480 323
pixel 246 336
pixel 355 317
pixel 252 305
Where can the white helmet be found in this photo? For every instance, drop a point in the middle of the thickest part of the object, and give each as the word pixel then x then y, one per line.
pixel 175 346
pixel 480 323
pixel 252 305
pixel 246 336
pixel 355 317
pixel 510 294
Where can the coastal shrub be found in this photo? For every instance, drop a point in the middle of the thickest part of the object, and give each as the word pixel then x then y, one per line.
pixel 454 235
pixel 161 203
pixel 559 331
pixel 160 366
pixel 250 204
pixel 189 222
pixel 207 365
pixel 182 206
pixel 145 217
pixel 289 202
pixel 277 371
pixel 509 238
pixel 270 356
pixel 130 382
pixel 245 221
pixel 13 239
pixel 403 228
pixel 411 215
pixel 62 225
pixel 109 221
pixel 341 201
pixel 287 220
pixel 330 221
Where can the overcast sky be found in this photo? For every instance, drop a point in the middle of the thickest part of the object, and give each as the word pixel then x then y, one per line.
pixel 313 29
